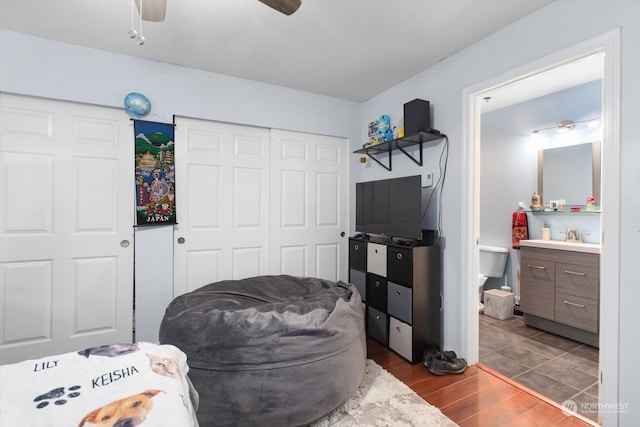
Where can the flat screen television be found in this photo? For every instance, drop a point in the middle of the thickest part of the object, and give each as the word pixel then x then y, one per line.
pixel 390 207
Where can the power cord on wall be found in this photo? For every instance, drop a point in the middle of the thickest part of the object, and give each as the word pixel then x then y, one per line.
pixel 442 164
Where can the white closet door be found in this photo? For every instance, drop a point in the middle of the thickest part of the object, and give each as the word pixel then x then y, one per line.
pixel 308 205
pixel 222 202
pixel 252 201
pixel 66 227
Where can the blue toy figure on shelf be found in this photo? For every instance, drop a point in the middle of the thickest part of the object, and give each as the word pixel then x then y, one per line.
pixel 388 136
pixel 384 123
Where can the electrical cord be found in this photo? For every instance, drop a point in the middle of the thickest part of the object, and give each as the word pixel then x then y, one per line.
pixel 442 165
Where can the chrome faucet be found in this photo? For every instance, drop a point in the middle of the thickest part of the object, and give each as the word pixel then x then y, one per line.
pixel 572 236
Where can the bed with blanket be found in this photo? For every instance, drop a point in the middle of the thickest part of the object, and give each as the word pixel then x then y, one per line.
pixel 116 385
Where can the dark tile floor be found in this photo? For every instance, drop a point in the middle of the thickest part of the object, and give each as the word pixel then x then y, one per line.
pixel 556 367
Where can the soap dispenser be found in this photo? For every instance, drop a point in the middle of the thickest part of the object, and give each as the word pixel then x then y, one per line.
pixel 546 232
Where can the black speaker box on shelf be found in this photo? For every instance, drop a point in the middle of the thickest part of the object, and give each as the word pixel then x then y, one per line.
pixel 417 117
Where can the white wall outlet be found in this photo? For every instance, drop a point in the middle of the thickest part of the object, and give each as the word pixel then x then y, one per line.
pixel 427 180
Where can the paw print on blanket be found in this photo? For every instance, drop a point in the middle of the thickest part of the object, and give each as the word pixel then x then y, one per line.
pixel 57 395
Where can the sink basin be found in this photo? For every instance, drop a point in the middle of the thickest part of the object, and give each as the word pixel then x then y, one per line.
pixel 591 248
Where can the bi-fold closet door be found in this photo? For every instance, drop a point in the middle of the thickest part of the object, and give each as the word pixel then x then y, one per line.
pixel 66 226
pixel 252 201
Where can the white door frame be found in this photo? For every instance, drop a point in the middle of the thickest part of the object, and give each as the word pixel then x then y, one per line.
pixel 609 44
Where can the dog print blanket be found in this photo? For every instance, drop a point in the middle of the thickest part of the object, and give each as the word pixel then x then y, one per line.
pixel 135 384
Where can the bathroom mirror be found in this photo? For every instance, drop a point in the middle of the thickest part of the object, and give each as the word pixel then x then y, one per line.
pixel 571 173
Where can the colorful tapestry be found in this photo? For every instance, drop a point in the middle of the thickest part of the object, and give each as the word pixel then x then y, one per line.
pixel 155 173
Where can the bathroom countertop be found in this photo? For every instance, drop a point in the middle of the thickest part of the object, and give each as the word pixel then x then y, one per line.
pixel 592 248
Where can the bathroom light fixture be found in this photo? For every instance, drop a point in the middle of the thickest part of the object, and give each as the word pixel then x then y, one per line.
pixel 568 125
pixel 565 126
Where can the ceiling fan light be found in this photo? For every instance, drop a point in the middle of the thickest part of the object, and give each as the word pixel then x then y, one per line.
pixel 152 10
pixel 287 7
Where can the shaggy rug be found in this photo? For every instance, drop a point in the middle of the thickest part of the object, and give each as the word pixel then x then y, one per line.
pixel 383 400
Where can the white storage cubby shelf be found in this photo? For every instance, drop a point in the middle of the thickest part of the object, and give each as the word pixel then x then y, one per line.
pixel 401 288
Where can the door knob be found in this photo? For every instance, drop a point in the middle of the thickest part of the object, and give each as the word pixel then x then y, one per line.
pixel 124 243
pixel 181 240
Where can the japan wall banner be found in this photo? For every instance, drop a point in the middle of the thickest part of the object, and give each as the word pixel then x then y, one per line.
pixel 155 173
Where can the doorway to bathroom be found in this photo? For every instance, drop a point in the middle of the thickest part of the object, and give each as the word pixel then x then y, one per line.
pixel 607 47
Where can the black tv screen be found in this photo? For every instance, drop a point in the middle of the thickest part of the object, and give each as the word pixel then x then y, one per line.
pixel 390 207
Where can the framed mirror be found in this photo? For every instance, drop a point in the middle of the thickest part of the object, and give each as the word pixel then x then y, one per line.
pixel 571 173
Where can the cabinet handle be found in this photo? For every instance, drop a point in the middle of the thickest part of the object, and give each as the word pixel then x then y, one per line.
pixel 398 328
pixel 399 256
pixel 355 247
pixel 539 267
pixel 377 284
pixel 574 304
pixel 398 292
pixel 576 273
pixel 377 316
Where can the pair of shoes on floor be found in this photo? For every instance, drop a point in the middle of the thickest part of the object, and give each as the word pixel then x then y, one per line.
pixel 443 362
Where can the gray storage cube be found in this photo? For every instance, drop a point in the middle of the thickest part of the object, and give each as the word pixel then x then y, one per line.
pixel 378 325
pixel 399 299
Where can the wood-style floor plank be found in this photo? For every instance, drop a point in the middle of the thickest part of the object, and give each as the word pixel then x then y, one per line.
pixel 475 398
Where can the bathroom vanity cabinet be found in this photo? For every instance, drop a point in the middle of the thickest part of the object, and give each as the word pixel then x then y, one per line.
pixel 400 286
pixel 559 292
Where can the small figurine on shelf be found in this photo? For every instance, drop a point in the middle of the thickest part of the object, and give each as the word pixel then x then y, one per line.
pixel 590 201
pixel 384 123
pixel 398 130
pixel 535 202
pixel 388 136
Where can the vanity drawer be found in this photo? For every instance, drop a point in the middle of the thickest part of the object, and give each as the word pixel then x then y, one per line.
pixel 377 259
pixel 401 338
pixel 578 279
pixel 576 311
pixel 359 279
pixel 377 291
pixel 537 290
pixel 400 265
pixel 358 254
pixel 399 299
pixel 377 325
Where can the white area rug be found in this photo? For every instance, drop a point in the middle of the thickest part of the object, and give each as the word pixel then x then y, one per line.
pixel 381 401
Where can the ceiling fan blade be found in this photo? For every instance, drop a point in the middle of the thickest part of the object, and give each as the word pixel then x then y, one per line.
pixel 152 10
pixel 284 6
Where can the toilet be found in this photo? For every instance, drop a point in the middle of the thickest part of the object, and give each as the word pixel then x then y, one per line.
pixel 492 262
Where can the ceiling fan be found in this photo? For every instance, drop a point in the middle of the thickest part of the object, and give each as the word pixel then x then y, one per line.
pixel 154 10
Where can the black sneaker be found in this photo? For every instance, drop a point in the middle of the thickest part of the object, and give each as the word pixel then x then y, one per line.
pixel 431 353
pixel 442 365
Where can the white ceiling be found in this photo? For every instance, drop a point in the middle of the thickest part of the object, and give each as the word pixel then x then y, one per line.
pixel 351 49
pixel 558 78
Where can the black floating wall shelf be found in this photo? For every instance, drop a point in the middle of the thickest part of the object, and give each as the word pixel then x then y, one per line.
pixel 387 147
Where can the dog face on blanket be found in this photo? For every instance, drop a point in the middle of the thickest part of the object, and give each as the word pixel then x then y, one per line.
pixel 127 412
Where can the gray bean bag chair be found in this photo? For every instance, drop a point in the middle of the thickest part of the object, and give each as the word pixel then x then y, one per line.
pixel 269 350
